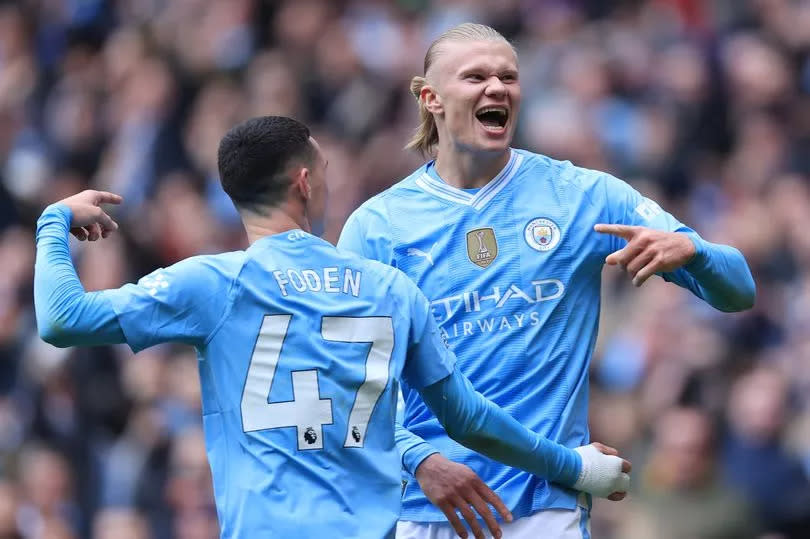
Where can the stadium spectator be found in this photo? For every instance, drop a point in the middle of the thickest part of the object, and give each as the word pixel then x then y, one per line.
pixel 765 472
pixel 680 494
pixel 702 105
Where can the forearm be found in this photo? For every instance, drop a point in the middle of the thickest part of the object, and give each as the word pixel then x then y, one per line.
pixel 412 449
pixel 479 424
pixel 66 314
pixel 718 274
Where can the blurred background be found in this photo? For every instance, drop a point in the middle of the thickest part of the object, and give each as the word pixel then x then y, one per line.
pixel 702 105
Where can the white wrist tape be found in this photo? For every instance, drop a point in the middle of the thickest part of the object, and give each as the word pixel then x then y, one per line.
pixel 601 475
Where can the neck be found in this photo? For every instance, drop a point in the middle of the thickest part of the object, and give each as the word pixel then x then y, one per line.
pixel 469 170
pixel 275 221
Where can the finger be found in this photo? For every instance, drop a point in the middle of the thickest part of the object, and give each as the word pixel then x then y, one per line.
pixel 624 256
pixel 105 197
pixel 79 233
pixel 641 260
pixel 623 231
pixel 93 232
pixel 469 516
pixel 645 273
pixel 617 496
pixel 450 512
pixel 483 509
pixel 106 221
pixel 493 499
pixel 605 449
pixel 627 467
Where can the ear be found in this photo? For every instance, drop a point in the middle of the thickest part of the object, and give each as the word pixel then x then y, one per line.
pixel 431 99
pixel 301 183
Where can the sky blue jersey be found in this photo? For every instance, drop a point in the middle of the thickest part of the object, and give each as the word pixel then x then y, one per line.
pixel 513 272
pixel 300 350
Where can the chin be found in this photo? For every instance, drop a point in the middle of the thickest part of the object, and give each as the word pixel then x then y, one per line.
pixel 493 141
pixel 494 145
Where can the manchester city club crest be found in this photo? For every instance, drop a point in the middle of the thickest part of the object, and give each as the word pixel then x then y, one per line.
pixel 542 234
pixel 482 248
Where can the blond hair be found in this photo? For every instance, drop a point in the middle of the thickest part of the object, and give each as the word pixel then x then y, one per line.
pixel 426 136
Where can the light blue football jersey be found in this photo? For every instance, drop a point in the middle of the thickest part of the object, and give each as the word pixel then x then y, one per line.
pixel 513 272
pixel 300 348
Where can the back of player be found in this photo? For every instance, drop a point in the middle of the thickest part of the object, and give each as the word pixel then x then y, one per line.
pixel 299 393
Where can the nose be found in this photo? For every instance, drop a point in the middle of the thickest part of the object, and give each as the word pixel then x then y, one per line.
pixel 495 87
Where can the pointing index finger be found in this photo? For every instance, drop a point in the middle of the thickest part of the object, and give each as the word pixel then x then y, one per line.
pixel 623 231
pixel 105 197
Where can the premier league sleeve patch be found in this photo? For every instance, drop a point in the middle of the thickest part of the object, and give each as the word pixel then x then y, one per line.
pixel 542 234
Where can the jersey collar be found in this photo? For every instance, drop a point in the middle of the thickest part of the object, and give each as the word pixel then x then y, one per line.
pixel 481 198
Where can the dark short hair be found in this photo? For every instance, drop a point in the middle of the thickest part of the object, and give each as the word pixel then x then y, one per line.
pixel 254 158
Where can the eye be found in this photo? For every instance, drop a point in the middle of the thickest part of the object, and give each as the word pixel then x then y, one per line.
pixel 474 77
pixel 509 77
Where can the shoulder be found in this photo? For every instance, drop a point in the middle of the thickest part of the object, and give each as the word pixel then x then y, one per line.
pixel 202 272
pixel 564 172
pixel 593 185
pixel 379 204
pixel 389 279
pixel 222 263
pixel 381 273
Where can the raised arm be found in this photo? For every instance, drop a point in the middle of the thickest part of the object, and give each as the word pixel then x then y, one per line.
pixel 643 240
pixel 717 274
pixel 181 303
pixel 66 314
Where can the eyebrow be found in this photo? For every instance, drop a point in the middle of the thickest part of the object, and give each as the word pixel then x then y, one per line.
pixel 475 69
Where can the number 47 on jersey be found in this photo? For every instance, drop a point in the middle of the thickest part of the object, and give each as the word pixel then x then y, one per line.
pixel 308 412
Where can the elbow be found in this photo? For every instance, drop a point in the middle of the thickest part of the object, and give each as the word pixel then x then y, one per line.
pixel 457 435
pixel 470 436
pixel 747 292
pixel 747 301
pixel 743 300
pixel 746 297
pixel 53 334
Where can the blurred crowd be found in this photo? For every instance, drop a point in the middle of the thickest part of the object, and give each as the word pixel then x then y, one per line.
pixel 703 105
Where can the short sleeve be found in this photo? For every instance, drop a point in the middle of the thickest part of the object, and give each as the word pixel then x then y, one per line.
pixel 182 303
pixel 428 359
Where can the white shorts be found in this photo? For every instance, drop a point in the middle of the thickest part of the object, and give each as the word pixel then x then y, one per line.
pixel 556 523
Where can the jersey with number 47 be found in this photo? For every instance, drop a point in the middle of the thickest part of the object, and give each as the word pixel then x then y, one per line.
pixel 300 350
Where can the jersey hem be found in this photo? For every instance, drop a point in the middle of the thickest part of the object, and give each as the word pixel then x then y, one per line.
pixel 432 516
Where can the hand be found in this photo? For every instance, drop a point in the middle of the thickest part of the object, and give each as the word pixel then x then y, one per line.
pixel 450 486
pixel 627 467
pixel 604 474
pixel 89 221
pixel 648 251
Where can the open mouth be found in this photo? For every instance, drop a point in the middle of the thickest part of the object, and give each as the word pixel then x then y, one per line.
pixel 493 118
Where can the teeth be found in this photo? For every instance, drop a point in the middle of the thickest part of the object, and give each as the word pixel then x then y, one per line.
pixel 501 110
